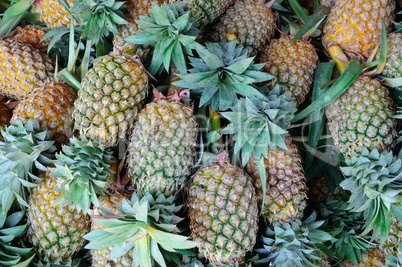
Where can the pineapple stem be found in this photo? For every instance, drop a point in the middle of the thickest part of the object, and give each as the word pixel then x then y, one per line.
pixel 339 57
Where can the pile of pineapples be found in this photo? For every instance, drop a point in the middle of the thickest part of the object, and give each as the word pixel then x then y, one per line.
pixel 200 133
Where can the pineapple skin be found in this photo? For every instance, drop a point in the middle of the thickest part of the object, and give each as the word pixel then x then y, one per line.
pixel 223 212
pixel 250 21
pixel 22 67
pixel 56 231
pixel 32 35
pixel 292 65
pixel 362 117
pixel 4 119
pixel 392 67
pixel 52 104
pixel 162 146
pixel 111 95
pixel 286 196
pixel 100 257
pixel 391 244
pixel 355 26
pixel 371 258
pixel 206 11
pixel 53 14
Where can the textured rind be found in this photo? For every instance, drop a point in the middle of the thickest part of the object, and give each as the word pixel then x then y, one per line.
pixel 223 212
pixel 285 197
pixel 393 65
pixel 206 11
pixel 100 257
pixel 356 26
pixel 53 14
pixel 292 65
pixel 328 3
pixel 21 68
pixel 251 22
pixel 135 9
pixel 32 35
pixel 372 258
pixel 56 232
pixel 52 104
pixel 111 95
pixel 362 117
pixel 162 146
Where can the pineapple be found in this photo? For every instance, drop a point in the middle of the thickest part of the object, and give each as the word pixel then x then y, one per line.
pixel 319 189
pixel 56 232
pixel 372 258
pixel 251 22
pixel 392 67
pixel 111 95
pixel 101 257
pixel 391 245
pixel 52 104
pixel 22 67
pixel 355 26
pixel 286 196
pixel 362 117
pixel 32 35
pixel 53 14
pixel 162 145
pixel 223 212
pixel 205 12
pixel 328 3
pixel 293 65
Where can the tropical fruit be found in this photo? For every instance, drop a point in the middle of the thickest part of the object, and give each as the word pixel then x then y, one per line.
pixel 251 22
pixel 111 95
pixel 362 117
pixel 355 26
pixel 53 14
pixel 392 67
pixel 223 212
pixel 293 65
pixel 101 257
pixel 32 35
pixel 52 103
pixel 285 197
pixel 4 118
pixel 162 145
pixel 56 231
pixel 22 67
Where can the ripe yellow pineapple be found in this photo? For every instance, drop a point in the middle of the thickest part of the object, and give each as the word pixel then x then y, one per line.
pixel 52 104
pixel 22 67
pixel 362 117
pixel 292 65
pixel 53 14
pixel 101 257
pixel 223 212
pixel 355 26
pixel 55 231
pixel 32 35
pixel 111 95
pixel 251 22
pixel 285 197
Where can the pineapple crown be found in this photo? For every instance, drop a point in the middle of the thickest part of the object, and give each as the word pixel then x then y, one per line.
pixel 346 227
pixel 99 17
pixel 221 72
pixel 84 169
pixel 146 224
pixel 375 182
pixel 10 229
pixel 170 29
pixel 294 243
pixel 25 149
